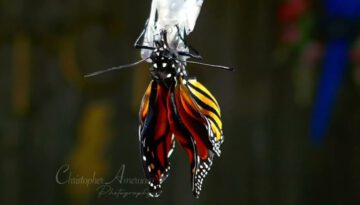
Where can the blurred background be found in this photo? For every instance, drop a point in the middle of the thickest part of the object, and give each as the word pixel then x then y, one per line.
pixel 290 110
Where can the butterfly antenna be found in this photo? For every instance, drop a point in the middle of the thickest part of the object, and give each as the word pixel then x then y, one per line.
pixel 211 65
pixel 114 68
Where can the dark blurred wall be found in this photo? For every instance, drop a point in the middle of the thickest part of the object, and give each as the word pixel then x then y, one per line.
pixel 50 115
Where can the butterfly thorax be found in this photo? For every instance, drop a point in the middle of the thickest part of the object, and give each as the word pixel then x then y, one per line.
pixel 166 66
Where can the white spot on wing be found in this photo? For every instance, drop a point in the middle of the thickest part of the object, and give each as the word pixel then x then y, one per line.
pixel 170 152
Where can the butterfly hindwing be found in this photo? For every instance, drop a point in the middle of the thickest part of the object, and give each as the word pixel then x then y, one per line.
pixel 182 134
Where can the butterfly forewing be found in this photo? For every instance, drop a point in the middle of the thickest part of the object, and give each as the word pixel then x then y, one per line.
pixel 156 139
pixel 210 110
pixel 193 130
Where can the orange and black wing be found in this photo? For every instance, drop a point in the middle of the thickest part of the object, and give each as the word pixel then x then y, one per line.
pixel 197 127
pixel 209 109
pixel 156 138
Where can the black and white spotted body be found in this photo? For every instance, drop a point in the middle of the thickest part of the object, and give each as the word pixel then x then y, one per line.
pixel 166 63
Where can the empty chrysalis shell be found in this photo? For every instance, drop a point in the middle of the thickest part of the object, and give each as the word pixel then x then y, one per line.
pixel 174 16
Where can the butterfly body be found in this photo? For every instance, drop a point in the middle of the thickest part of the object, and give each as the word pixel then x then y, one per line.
pixel 177 108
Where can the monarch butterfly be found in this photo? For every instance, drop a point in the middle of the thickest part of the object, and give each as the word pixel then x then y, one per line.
pixel 175 107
